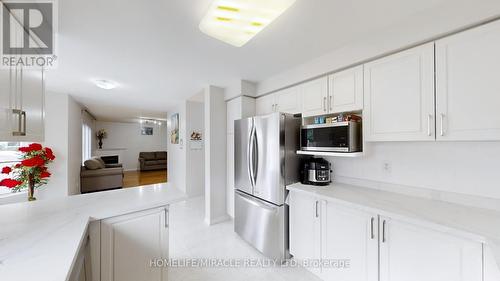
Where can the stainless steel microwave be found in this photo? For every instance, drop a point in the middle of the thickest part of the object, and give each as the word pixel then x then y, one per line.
pixel 331 137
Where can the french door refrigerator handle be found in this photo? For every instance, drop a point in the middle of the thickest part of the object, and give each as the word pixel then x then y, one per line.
pixel 256 202
pixel 250 154
pixel 255 157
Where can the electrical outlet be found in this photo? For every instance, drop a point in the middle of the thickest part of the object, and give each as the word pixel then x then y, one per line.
pixel 387 167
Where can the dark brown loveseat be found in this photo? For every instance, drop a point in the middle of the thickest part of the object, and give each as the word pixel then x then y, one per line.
pixel 156 160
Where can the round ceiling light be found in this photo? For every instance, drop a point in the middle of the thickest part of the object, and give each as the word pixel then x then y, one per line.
pixel 105 84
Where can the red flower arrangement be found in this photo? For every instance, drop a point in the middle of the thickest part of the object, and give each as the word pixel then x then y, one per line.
pixel 32 172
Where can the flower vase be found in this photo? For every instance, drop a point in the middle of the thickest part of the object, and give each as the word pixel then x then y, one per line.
pixel 31 189
pixel 100 143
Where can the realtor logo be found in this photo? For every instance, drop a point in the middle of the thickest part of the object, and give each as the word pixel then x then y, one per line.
pixel 28 33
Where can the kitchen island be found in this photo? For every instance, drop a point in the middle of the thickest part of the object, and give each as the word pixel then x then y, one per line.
pixel 42 240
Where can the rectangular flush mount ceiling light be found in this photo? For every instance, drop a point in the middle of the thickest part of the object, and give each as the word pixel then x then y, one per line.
pixel 237 21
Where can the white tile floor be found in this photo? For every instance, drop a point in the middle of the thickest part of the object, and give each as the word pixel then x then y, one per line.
pixel 191 238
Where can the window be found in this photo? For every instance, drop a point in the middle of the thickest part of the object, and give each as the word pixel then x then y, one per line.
pixel 8 157
pixel 86 142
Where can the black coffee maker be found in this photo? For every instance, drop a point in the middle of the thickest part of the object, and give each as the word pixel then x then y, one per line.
pixel 316 171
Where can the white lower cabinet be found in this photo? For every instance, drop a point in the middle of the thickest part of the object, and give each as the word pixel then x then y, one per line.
pixel 491 265
pixel 129 243
pixel 349 235
pixel 378 247
pixel 414 253
pixel 305 231
pixel 82 268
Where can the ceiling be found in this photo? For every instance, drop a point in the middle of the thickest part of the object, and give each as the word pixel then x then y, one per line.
pixel 157 55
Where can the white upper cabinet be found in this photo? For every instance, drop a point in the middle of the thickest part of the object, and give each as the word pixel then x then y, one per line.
pixel 288 101
pixel 5 107
pixel 22 105
pixel 414 253
pixel 346 90
pixel 468 84
pixel 33 105
pixel 314 97
pixel 348 233
pixel 233 112
pixel 265 104
pixel 399 96
pixel 238 108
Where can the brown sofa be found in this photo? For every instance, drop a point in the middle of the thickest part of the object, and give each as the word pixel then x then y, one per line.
pixel 156 160
pixel 97 176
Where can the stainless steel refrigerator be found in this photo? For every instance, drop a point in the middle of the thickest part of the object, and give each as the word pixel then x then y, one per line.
pixel 265 162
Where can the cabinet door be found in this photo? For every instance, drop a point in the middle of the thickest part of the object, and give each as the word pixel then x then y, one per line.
pixel 399 96
pixel 346 90
pixel 468 85
pixel 230 175
pixel 233 113
pixel 32 96
pixel 491 265
pixel 305 236
pixel 414 253
pixel 351 235
pixel 5 104
pixel 130 242
pixel 314 97
pixel 288 101
pixel 265 105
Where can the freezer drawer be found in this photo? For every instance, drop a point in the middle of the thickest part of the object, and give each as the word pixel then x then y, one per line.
pixel 262 224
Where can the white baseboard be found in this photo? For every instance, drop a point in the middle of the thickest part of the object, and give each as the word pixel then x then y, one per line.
pixel 220 219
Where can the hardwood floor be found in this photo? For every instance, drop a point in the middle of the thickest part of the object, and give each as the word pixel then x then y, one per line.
pixel 137 178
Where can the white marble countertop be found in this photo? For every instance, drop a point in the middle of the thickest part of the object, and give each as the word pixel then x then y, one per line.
pixel 479 224
pixel 40 240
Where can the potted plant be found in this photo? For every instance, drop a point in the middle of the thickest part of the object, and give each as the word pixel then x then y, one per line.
pixel 31 172
pixel 101 134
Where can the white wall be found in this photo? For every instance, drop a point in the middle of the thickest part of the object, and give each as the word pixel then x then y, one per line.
pixel 128 136
pixel 177 152
pixel 74 146
pixel 460 167
pixel 403 34
pixel 186 167
pixel 195 158
pixel 63 134
pixel 56 137
pixel 215 155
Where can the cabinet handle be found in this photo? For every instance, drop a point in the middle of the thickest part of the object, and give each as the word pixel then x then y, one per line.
pixel 372 222
pixel 317 214
pixel 23 116
pixel 442 123
pixel 383 231
pixel 166 217
pixel 331 103
pixel 21 125
pixel 429 117
pixel 324 104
